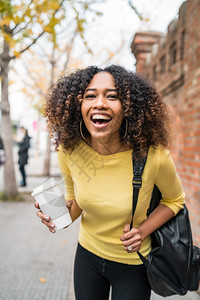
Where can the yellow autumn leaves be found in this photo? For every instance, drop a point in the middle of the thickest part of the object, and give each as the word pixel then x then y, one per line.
pixel 19 21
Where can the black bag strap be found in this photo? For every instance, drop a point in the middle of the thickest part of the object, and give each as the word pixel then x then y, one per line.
pixel 143 259
pixel 138 168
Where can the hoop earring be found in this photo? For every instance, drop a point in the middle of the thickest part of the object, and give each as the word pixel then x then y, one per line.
pixel 81 132
pixel 125 134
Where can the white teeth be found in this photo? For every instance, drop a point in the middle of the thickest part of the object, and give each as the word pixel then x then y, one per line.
pixel 102 117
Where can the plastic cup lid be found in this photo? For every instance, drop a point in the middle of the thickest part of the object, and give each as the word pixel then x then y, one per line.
pixel 45 186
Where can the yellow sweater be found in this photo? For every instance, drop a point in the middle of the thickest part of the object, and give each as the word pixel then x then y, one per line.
pixel 102 187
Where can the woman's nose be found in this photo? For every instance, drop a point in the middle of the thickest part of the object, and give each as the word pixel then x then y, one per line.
pixel 100 102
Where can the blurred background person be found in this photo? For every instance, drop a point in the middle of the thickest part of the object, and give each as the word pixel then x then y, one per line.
pixel 23 142
pixel 2 153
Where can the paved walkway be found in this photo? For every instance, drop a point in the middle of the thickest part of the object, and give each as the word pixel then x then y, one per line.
pixel 36 264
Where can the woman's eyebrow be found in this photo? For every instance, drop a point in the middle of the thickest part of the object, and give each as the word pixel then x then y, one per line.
pixel 90 89
pixel 111 90
pixel 93 89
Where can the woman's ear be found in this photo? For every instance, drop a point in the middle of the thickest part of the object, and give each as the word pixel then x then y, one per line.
pixel 80 98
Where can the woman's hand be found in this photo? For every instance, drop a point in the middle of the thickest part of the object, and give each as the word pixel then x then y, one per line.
pixel 46 219
pixel 131 239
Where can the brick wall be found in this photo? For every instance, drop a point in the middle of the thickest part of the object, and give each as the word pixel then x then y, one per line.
pixel 172 62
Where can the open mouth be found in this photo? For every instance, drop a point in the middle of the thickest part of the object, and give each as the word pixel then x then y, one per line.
pixel 100 119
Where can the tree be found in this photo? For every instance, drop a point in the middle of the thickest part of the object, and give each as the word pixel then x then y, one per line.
pixel 52 61
pixel 22 24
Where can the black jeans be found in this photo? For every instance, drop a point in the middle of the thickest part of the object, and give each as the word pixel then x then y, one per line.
pixel 23 173
pixel 94 275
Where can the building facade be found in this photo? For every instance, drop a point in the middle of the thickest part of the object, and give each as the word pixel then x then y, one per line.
pixel 172 62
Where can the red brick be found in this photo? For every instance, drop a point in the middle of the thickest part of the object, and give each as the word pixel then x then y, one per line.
pixel 183 99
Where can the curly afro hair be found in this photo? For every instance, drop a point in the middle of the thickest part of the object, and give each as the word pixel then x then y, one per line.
pixel 146 113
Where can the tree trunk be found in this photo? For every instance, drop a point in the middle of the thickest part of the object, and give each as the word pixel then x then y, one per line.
pixel 37 129
pixel 47 159
pixel 9 171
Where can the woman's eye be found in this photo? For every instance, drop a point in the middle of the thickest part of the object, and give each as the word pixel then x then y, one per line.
pixel 112 96
pixel 90 96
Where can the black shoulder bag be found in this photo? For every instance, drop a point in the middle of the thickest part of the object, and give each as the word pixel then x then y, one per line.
pixel 173 265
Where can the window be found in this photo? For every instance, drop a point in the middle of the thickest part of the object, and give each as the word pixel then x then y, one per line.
pixel 162 64
pixel 173 54
pixel 182 44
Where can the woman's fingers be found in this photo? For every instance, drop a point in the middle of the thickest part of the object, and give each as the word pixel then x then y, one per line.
pixel 126 228
pixel 69 204
pixel 40 213
pixel 51 226
pixel 45 220
pixel 133 247
pixel 37 205
pixel 42 216
pixel 136 238
pixel 130 234
pixel 131 240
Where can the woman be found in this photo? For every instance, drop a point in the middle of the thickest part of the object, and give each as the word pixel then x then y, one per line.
pixel 2 153
pixel 99 117
pixel 24 145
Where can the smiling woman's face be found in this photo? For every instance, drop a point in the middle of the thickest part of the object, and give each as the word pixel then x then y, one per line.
pixel 101 109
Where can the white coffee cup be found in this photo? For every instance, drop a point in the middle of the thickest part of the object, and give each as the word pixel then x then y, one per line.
pixel 50 196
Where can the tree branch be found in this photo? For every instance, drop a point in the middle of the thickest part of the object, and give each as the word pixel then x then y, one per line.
pixel 68 51
pixel 35 40
pixel 17 24
pixel 40 91
pixel 31 44
pixel 135 10
pixel 20 29
pixel 58 7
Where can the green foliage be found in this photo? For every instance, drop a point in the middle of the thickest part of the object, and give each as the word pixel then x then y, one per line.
pixel 4 196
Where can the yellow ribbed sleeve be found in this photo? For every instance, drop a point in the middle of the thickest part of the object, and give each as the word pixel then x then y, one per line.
pixel 169 183
pixel 69 184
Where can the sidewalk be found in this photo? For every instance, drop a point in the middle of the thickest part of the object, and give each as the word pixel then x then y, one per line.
pixel 36 264
pixel 34 170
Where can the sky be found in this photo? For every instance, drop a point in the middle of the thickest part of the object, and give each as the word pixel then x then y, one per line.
pixel 116 28
pixel 112 32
